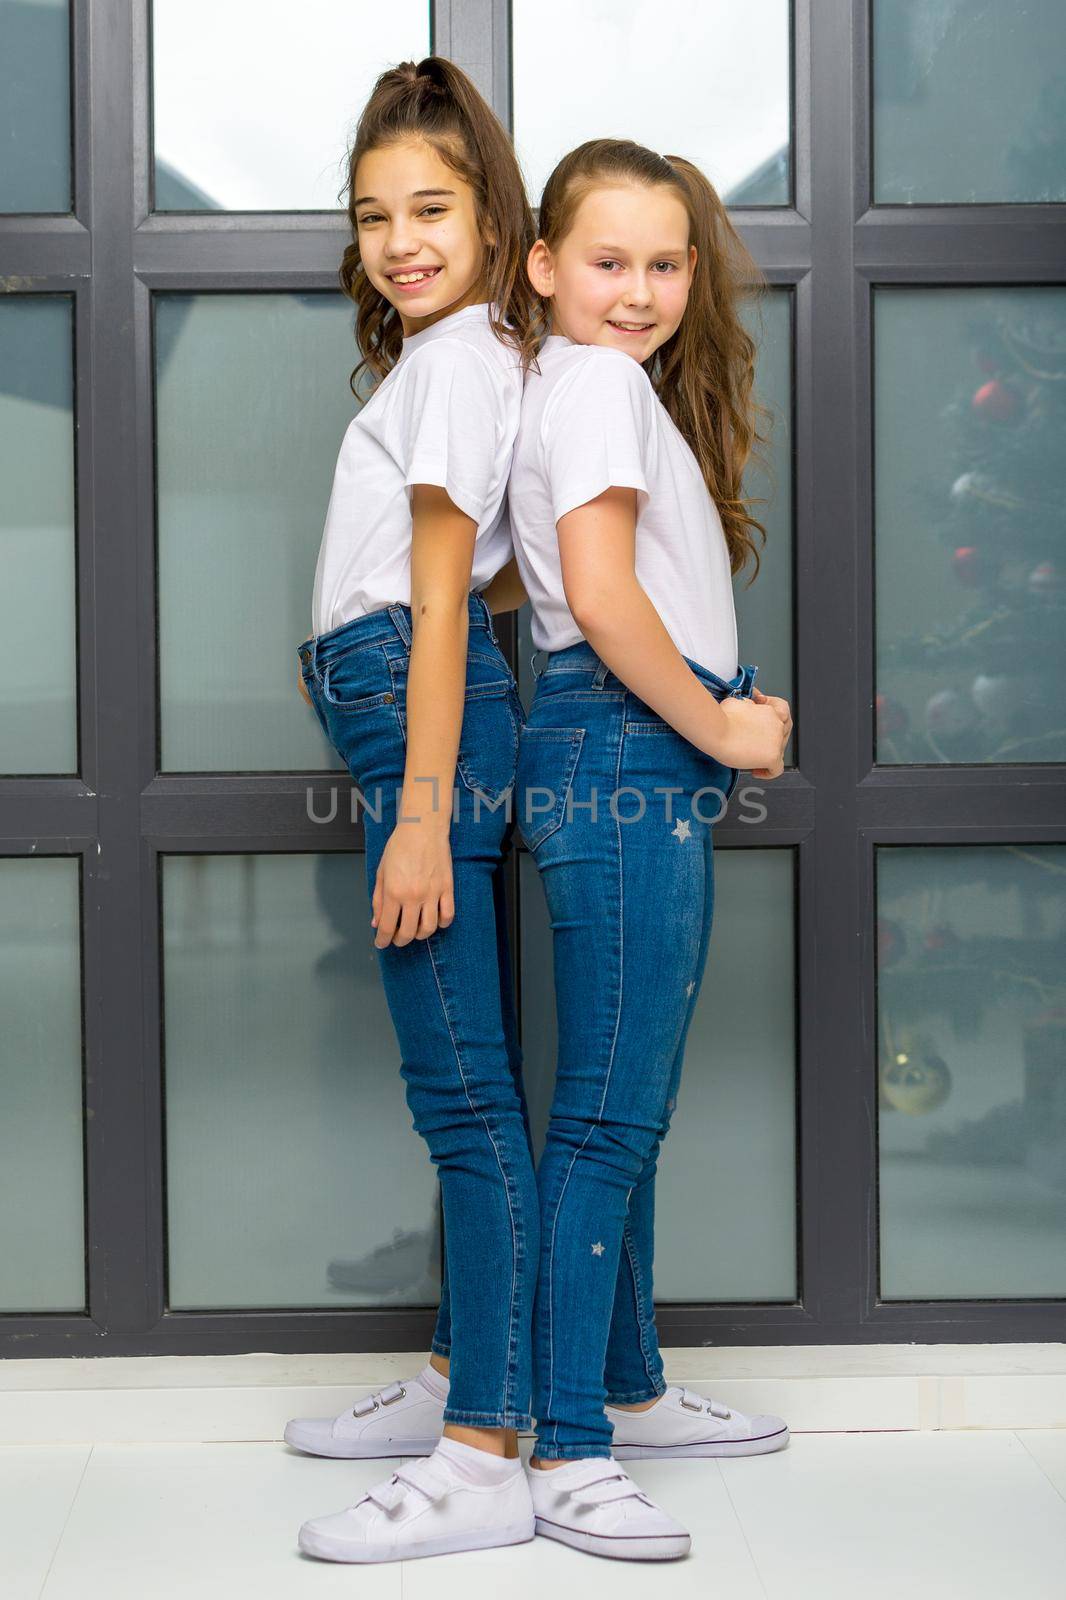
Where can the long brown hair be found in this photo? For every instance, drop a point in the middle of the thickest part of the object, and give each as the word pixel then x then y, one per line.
pixel 704 372
pixel 437 102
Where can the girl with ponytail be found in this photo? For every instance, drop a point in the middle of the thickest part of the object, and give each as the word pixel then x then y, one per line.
pixel 629 521
pixel 406 676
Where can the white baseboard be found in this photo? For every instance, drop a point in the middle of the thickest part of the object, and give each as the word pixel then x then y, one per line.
pixel 817 1389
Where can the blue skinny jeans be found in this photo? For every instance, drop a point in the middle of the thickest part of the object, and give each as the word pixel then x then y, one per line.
pixel 618 811
pixel 454 1019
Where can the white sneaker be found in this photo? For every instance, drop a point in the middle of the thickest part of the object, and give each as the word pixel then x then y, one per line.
pixel 424 1509
pixel 405 1419
pixel 682 1423
pixel 593 1504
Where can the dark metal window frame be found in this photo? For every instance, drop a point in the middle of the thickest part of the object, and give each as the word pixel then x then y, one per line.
pixel 830 248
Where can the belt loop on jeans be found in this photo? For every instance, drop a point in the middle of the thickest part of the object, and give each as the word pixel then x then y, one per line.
pixel 400 623
pixel 488 617
pixel 598 676
pixel 533 656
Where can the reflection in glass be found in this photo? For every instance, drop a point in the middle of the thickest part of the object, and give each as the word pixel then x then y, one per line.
pixel 38 710
pixel 729 1158
pixel 713 86
pixel 969 101
pixel 42 1228
pixel 970 412
pixel 252 403
pixel 971 977
pixel 35 95
pixel 764 610
pixel 255 101
pixel 294 1177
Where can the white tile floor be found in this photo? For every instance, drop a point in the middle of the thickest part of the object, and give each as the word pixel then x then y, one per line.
pixel 859 1516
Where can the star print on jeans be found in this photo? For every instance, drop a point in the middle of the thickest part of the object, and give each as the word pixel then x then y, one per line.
pixel 681 830
pixel 597 1248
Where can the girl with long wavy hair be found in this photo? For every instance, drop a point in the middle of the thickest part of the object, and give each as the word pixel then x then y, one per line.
pixel 629 521
pixel 405 673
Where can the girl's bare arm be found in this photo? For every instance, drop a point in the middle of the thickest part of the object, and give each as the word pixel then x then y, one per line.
pixel 414 892
pixel 597 547
pixel 506 591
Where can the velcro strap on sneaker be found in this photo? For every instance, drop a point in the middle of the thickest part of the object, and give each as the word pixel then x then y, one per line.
pixel 387 1495
pixel 383 1397
pixel 696 1402
pixel 425 1477
pixel 418 1475
pixel 604 1491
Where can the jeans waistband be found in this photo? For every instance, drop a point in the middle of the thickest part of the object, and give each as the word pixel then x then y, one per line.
pixel 581 657
pixel 391 622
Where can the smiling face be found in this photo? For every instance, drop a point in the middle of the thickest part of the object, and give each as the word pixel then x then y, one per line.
pixel 622 274
pixel 417 227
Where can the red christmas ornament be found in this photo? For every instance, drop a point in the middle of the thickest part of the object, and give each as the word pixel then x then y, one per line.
pixel 995 402
pixel 892 717
pixel 969 565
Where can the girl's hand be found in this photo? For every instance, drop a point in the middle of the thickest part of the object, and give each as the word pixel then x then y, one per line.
pixel 413 892
pixel 783 711
pixel 759 730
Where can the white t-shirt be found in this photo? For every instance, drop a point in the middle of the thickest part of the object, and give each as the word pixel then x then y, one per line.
pixel 591 421
pixel 447 413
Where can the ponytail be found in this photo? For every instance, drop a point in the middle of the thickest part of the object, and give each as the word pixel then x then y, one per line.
pixel 437 102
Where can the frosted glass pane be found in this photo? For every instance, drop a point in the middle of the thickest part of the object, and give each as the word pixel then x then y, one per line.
pixel 726 1190
pixel 35 95
pixel 969 100
pixel 255 100
pixel 252 403
pixel 969 412
pixel 971 977
pixel 712 84
pixel 38 707
pixel 42 1225
pixel 294 1177
pixel 764 608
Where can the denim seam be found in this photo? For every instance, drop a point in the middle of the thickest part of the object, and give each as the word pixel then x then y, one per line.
pixel 570 1452
pixel 488 1419
pixel 635 1396
pixel 672 1090
pixel 399 622
pixel 638 1297
pixel 603 1102
pixel 499 1162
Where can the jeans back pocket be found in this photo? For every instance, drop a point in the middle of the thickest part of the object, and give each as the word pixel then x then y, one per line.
pixel 488 740
pixel 547 761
